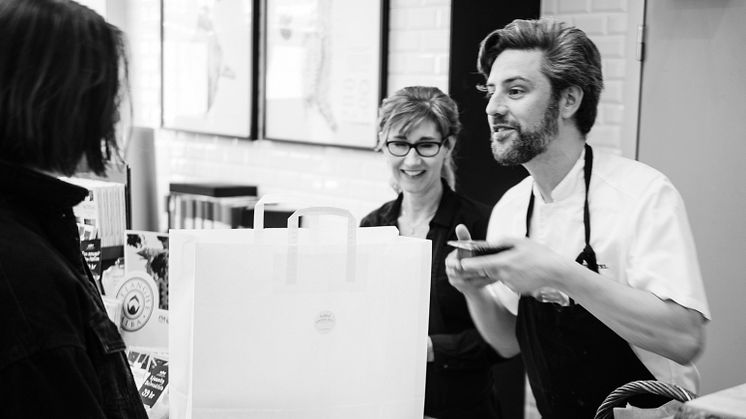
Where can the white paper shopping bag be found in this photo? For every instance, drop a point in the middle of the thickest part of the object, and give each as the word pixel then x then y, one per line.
pixel 298 323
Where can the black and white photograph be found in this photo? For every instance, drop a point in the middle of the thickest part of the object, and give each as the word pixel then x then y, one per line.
pixel 372 209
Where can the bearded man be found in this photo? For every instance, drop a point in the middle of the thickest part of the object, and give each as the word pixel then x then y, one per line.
pixel 600 284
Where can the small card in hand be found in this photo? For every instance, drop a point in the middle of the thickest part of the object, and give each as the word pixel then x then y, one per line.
pixel 468 248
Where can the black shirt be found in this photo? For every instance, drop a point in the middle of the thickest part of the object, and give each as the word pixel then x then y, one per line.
pixel 459 381
pixel 60 355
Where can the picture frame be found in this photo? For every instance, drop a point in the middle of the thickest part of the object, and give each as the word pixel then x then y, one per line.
pixel 325 66
pixel 209 66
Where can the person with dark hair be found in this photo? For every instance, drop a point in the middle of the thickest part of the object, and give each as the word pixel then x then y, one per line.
pixel 598 282
pixel 62 71
pixel 418 127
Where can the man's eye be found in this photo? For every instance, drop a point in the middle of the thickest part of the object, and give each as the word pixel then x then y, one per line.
pixel 515 91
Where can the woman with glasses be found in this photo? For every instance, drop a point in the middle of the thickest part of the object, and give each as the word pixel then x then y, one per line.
pixel 418 127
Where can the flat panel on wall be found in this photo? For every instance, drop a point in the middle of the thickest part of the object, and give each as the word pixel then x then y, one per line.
pixel 477 174
pixel 324 70
pixel 207 66
pixel 692 129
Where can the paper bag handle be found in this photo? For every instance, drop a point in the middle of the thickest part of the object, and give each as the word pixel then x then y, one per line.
pixel 268 199
pixel 292 266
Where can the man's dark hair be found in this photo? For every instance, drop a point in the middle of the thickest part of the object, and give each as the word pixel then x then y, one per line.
pixel 570 59
pixel 59 85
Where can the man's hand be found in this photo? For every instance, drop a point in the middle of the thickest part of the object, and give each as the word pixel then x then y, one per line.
pixel 526 267
pixel 468 282
pixel 493 321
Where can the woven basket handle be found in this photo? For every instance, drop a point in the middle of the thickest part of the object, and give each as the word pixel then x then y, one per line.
pixel 619 397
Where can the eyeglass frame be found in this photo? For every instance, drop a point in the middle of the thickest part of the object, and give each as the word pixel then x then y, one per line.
pixel 414 146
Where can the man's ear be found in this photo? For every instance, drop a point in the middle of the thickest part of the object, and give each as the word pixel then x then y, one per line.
pixel 570 100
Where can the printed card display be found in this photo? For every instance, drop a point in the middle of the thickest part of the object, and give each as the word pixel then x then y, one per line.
pixel 144 290
pixel 150 372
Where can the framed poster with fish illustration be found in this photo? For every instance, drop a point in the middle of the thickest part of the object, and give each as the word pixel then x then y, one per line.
pixel 208 71
pixel 325 67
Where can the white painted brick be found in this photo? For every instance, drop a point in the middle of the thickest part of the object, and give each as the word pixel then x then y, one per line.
pixel 611 46
pixel 548 7
pixel 436 40
pixel 421 63
pixel 422 18
pixel 613 114
pixel 572 6
pixel 617 23
pixel 398 19
pixel 402 40
pixel 398 4
pixel 398 62
pixel 443 18
pixel 605 136
pixel 591 24
pixel 354 179
pixel 396 82
pixel 613 92
pixel 442 64
pixel 609 5
pixel 613 68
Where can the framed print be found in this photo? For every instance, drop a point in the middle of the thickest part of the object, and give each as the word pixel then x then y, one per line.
pixel 324 66
pixel 208 47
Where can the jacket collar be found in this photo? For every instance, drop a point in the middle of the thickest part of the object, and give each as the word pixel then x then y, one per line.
pixel 442 217
pixel 38 189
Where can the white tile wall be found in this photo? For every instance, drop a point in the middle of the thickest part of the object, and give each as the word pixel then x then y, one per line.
pixel 605 22
pixel 418 54
pixel 353 179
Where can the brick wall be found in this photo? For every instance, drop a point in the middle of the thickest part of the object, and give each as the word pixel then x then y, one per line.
pixel 418 54
pixel 607 23
pixel 353 179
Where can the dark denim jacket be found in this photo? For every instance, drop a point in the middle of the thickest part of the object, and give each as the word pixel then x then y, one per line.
pixel 60 356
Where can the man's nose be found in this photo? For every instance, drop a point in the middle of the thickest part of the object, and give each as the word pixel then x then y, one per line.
pixel 496 106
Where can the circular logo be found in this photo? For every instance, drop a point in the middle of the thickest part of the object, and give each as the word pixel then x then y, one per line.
pixel 325 321
pixel 138 298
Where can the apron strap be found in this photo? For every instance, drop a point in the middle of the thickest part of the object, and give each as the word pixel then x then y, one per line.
pixel 586 211
pixel 587 168
pixel 587 257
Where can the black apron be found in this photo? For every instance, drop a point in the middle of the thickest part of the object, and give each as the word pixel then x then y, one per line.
pixel 572 359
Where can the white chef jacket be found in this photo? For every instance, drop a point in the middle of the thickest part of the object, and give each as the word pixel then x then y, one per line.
pixel 639 231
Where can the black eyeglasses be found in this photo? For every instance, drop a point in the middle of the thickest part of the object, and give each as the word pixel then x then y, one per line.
pixel 423 148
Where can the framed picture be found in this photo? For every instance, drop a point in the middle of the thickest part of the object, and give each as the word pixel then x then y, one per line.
pixel 325 70
pixel 208 66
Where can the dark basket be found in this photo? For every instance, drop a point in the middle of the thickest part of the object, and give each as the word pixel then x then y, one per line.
pixel 619 397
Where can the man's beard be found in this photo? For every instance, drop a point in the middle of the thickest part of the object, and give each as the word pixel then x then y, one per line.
pixel 529 143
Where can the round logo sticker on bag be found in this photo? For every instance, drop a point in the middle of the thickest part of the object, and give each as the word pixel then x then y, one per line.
pixel 138 293
pixel 325 321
